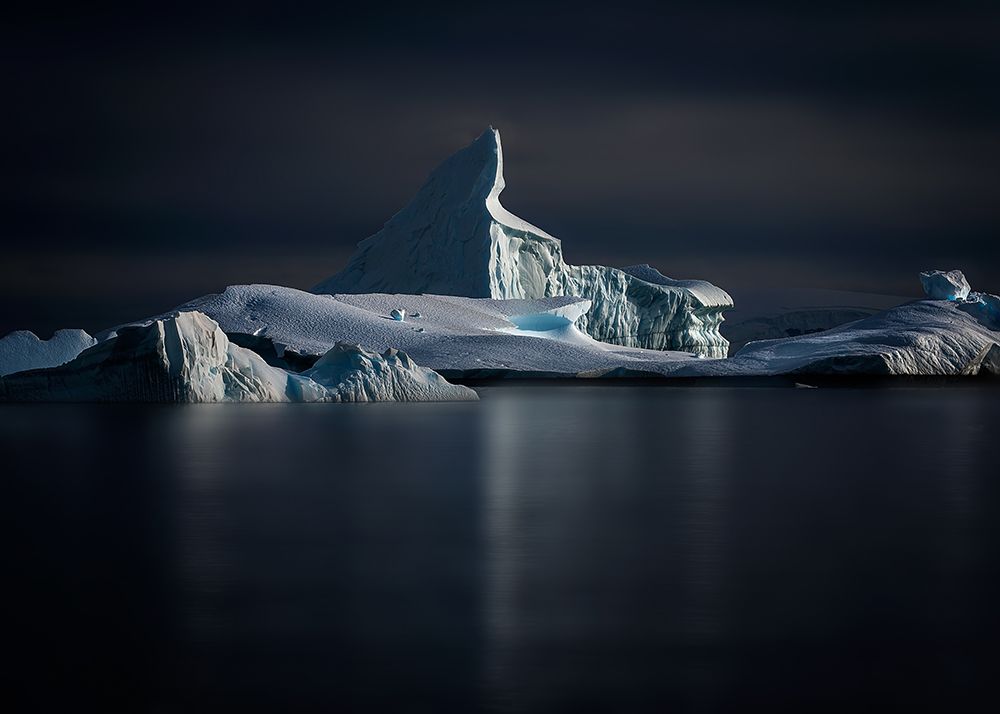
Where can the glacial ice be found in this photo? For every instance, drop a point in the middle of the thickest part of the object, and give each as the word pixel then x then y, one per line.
pixel 481 338
pixel 186 357
pixel 455 336
pixel 924 337
pixel 984 307
pixel 945 285
pixel 455 238
pixel 23 350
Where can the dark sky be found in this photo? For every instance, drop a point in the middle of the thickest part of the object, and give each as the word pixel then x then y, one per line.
pixel 148 159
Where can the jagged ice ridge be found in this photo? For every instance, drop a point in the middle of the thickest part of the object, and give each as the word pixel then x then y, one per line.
pixel 455 238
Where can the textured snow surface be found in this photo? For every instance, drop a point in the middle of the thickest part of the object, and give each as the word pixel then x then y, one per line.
pixel 23 350
pixel 452 335
pixel 476 337
pixel 945 284
pixel 925 337
pixel 455 238
pixel 186 357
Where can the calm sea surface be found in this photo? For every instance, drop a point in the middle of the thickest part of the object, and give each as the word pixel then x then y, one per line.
pixel 550 549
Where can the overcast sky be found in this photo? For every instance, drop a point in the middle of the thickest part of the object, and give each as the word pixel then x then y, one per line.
pixel 150 159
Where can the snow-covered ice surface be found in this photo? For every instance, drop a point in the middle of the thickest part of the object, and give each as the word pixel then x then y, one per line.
pixel 924 337
pixel 186 357
pixel 23 350
pixel 456 336
pixel 455 238
pixel 481 338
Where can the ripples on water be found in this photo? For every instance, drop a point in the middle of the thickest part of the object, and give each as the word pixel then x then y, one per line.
pixel 551 548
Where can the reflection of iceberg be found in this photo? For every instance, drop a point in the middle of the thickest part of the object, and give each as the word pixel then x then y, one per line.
pixel 455 238
pixel 566 537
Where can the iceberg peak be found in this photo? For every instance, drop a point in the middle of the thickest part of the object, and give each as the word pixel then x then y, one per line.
pixel 456 238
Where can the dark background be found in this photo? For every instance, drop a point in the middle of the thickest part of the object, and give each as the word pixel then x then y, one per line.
pixel 149 158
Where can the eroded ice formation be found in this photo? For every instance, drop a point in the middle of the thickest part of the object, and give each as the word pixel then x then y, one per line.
pixel 455 238
pixel 186 357
pixel 945 284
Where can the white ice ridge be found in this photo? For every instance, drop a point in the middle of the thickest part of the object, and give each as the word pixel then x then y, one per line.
pixel 455 238
pixel 186 357
pixel 23 350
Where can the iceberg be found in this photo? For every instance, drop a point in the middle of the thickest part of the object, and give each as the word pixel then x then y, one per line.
pixel 23 350
pixel 481 338
pixel 921 338
pixel 455 238
pixel 454 336
pixel 186 357
pixel 945 285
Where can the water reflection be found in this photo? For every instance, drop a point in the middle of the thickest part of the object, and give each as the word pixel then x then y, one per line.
pixel 547 549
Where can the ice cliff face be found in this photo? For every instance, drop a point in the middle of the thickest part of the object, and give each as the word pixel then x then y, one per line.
pixel 186 357
pixel 20 351
pixel 455 238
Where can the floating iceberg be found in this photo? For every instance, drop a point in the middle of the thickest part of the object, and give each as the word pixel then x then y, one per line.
pixel 186 357
pixel 921 338
pixel 23 350
pixel 945 285
pixel 455 238
pixel 474 338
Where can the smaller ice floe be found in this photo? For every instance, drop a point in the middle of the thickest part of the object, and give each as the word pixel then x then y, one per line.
pixel 945 285
pixel 186 357
pixel 353 374
pixel 398 314
pixel 921 338
pixel 24 350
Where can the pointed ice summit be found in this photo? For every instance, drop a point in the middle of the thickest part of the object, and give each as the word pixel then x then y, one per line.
pixel 454 238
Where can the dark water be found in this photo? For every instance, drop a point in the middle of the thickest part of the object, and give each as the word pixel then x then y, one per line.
pixel 559 549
